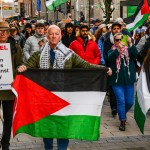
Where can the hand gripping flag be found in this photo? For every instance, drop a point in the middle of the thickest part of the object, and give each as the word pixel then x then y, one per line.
pixel 140 16
pixel 51 4
pixel 59 103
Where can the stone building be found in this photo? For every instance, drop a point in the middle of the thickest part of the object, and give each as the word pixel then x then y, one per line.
pixel 90 8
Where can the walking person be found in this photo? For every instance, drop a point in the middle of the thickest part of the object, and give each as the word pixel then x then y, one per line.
pixel 121 60
pixel 108 43
pixel 100 37
pixel 31 44
pixel 68 36
pixel 7 96
pixel 56 55
pixel 85 46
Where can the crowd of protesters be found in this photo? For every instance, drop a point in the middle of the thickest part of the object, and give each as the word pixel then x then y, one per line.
pixel 109 45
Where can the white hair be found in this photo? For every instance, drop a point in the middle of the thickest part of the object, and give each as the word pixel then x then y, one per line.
pixel 117 34
pixel 54 26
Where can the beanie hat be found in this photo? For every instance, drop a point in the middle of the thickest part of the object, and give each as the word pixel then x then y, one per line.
pixel 102 26
pixel 28 25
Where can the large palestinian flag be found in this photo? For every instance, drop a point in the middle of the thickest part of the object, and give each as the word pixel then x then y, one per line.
pixel 142 102
pixel 59 103
pixel 140 16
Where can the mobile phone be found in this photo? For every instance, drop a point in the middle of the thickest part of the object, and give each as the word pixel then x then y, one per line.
pixel 124 40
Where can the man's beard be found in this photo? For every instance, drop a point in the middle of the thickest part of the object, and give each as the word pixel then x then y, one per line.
pixel 84 37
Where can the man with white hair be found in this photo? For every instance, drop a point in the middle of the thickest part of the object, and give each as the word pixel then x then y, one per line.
pixel 56 55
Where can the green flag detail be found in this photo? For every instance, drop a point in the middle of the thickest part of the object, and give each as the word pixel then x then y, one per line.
pixel 142 102
pixel 51 4
pixel 59 103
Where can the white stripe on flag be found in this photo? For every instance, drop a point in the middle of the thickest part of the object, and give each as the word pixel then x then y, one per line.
pixel 143 93
pixel 48 3
pixel 137 19
pixel 82 103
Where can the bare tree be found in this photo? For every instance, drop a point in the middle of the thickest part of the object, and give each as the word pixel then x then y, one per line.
pixel 107 9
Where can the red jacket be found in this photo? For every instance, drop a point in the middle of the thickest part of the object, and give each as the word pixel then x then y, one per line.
pixel 89 53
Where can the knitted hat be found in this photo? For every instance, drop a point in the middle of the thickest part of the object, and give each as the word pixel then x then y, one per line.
pixel 32 21
pixel 46 24
pixel 28 25
pixel 98 20
pixel 102 26
pixel 137 31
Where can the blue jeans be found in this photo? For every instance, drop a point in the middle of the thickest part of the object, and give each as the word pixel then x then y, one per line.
pixel 125 97
pixel 62 144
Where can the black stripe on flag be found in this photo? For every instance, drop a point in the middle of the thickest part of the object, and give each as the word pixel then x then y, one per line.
pixel 130 19
pixel 68 80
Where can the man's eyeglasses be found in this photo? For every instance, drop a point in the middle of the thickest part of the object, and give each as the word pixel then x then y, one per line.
pixel 117 40
pixel 3 31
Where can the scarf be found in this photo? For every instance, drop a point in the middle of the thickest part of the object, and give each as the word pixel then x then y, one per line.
pixel 125 56
pixel 62 53
pixel 111 38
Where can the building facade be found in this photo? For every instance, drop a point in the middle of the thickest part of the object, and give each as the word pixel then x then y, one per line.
pixel 90 8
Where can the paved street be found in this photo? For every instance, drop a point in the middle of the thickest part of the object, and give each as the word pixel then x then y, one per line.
pixel 111 137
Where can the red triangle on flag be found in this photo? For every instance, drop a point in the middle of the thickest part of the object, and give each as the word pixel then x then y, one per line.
pixel 34 105
pixel 145 8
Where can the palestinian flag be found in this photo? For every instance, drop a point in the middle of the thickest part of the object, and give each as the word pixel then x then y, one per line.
pixel 59 103
pixel 140 16
pixel 51 4
pixel 142 102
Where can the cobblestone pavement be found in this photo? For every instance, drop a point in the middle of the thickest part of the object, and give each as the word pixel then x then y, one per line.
pixel 111 138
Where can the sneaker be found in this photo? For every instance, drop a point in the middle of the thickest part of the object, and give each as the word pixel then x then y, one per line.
pixel 122 126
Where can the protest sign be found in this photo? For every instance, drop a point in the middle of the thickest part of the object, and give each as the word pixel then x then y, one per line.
pixel 6 73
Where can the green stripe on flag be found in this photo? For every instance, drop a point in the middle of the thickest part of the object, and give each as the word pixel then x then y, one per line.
pixel 139 115
pixel 139 23
pixel 51 7
pixel 56 3
pixel 69 127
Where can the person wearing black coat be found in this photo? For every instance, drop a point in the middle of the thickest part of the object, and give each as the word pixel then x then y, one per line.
pixel 68 37
pixel 108 43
